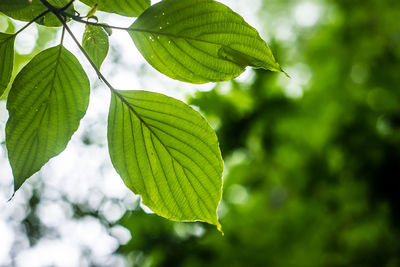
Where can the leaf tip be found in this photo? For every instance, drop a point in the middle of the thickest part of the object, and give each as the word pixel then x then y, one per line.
pixel 17 185
pixel 279 69
pixel 286 74
pixel 219 228
pixel 12 196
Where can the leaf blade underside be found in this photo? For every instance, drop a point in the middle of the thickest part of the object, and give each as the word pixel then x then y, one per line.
pixel 47 100
pixel 7 59
pixel 130 8
pixel 199 41
pixel 96 44
pixel 27 10
pixel 166 152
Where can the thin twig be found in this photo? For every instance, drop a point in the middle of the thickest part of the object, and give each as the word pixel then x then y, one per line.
pixel 32 21
pixel 56 9
pixel 80 19
pixel 67 6
pixel 57 13
pixel 85 54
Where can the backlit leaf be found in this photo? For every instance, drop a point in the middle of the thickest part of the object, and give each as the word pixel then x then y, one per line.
pixel 27 10
pixel 166 152
pixel 48 98
pixel 95 42
pixel 130 8
pixel 199 41
pixel 6 59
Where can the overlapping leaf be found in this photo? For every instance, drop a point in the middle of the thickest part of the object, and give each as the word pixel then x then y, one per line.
pixel 6 59
pixel 199 41
pixel 166 152
pixel 95 42
pixel 130 8
pixel 9 26
pixel 27 10
pixel 46 102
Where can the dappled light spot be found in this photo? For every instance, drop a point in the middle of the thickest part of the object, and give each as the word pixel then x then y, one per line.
pixel 307 14
pixel 237 194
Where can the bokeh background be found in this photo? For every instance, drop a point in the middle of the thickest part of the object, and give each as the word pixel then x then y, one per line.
pixel 312 163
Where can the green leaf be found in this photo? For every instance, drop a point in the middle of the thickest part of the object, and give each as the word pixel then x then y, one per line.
pixel 47 100
pixel 166 152
pixel 6 59
pixel 92 11
pixel 27 10
pixel 6 24
pixel 95 42
pixel 130 8
pixel 199 41
pixel 107 29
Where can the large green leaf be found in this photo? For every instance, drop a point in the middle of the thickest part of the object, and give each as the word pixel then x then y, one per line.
pixel 199 41
pixel 6 59
pixel 130 8
pixel 95 42
pixel 48 98
pixel 27 10
pixel 166 152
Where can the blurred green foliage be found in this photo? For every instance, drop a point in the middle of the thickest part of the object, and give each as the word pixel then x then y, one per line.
pixel 311 180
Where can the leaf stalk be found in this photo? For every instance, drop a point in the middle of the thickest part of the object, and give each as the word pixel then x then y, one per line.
pixel 32 21
pixel 60 11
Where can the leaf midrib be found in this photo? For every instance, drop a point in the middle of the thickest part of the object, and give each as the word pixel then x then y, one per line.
pixel 169 153
pixel 175 36
pixel 7 39
pixel 143 122
pixel 186 38
pixel 51 85
pixel 148 127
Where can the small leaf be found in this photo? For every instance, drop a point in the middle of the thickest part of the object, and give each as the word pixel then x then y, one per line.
pixel 199 41
pixel 95 42
pixel 47 100
pixel 130 8
pixel 108 29
pixel 166 152
pixel 27 10
pixel 6 59
pixel 92 11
